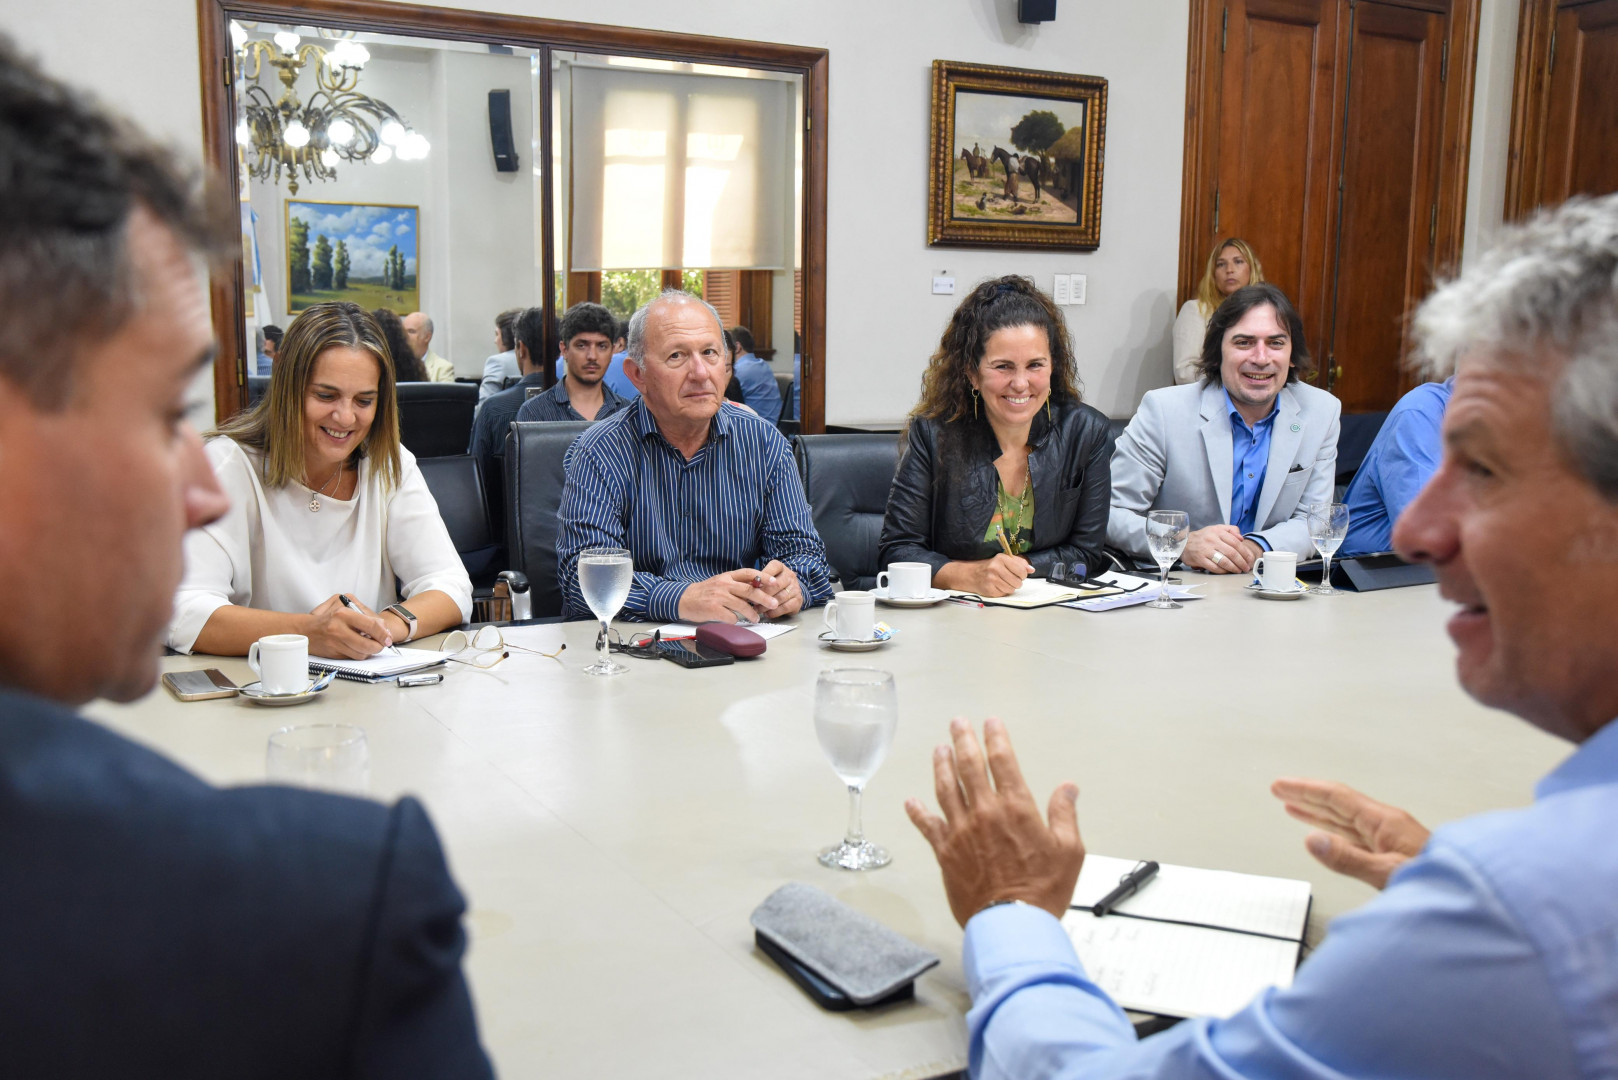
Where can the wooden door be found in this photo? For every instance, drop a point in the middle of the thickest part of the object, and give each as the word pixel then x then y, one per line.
pixel 1388 223
pixel 1565 108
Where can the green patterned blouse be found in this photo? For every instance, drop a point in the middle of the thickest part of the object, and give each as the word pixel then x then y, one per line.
pixel 1016 515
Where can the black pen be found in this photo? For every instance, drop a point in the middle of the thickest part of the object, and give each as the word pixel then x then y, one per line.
pixel 350 605
pixel 1128 886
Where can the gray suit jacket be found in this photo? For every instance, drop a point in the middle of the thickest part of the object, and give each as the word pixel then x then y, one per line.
pixel 1176 455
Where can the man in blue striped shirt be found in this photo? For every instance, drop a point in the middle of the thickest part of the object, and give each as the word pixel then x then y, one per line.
pixel 705 496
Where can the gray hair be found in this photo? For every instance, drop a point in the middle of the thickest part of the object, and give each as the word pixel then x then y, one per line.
pixel 426 322
pixel 636 346
pixel 1550 285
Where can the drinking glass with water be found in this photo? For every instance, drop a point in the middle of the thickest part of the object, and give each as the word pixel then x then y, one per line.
pixel 605 575
pixel 856 715
pixel 1166 534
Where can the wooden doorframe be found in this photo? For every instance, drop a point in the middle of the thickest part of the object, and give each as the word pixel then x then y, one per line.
pixel 411 20
pixel 1530 104
pixel 1201 129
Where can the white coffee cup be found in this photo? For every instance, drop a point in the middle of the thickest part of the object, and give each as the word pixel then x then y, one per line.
pixel 1277 571
pixel 851 616
pixel 281 662
pixel 906 580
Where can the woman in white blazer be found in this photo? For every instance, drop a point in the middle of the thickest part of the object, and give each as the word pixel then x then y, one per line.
pixel 325 504
pixel 1231 265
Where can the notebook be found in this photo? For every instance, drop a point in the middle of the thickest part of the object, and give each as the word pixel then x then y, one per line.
pixel 384 665
pixel 1192 942
pixel 1032 593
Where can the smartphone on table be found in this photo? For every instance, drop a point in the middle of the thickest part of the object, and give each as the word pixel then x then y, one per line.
pixel 199 685
pixel 690 653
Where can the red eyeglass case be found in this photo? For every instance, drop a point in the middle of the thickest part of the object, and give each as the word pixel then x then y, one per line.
pixel 729 638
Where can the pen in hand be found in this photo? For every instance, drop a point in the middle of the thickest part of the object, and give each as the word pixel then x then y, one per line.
pixel 352 606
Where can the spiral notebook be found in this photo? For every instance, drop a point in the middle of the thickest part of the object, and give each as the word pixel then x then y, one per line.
pixel 1192 942
pixel 381 667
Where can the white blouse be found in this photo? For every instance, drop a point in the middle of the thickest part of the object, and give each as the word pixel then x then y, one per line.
pixel 1189 329
pixel 271 552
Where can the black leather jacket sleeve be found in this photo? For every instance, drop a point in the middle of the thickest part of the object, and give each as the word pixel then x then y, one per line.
pixel 907 525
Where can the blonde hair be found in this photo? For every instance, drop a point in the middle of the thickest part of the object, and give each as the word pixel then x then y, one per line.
pixel 274 426
pixel 1208 294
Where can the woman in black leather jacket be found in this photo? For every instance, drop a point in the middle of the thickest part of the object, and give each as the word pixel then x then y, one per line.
pixel 1000 445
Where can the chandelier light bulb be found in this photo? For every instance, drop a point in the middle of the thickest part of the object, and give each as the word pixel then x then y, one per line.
pixel 238 35
pixel 296 135
pixel 382 155
pixel 242 134
pixel 414 147
pixel 392 132
pixel 341 131
pixel 328 157
pixel 287 41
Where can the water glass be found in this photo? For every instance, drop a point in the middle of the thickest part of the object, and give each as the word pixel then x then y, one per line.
pixel 330 757
pixel 856 715
pixel 1328 524
pixel 605 575
pixel 1166 534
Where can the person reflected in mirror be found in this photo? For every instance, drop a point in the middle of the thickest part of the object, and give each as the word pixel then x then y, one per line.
pixel 581 393
pixel 1488 951
pixel 325 503
pixel 707 499
pixel 1000 445
pixel 405 365
pixel 156 925
pixel 272 343
pixel 1402 458
pixel 262 358
pixel 419 328
pixel 759 389
pixel 1232 264
pixel 1277 434
pixel 501 370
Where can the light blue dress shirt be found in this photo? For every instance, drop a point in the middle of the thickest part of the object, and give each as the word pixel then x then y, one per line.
pixel 1493 954
pixel 615 377
pixel 759 388
pixel 797 380
pixel 1404 455
pixel 1250 457
pixel 737 503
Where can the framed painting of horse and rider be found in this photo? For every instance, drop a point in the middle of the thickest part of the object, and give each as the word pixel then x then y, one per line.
pixel 1016 158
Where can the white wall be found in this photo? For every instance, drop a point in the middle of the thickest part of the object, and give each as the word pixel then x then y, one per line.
pixel 882 322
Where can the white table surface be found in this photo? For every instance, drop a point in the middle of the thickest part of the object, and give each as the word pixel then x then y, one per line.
pixel 612 835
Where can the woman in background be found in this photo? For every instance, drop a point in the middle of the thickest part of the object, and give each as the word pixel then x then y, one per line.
pixel 405 365
pixel 324 503
pixel 1000 446
pixel 1230 266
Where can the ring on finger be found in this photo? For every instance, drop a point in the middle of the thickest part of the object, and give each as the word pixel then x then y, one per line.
pixel 1218 557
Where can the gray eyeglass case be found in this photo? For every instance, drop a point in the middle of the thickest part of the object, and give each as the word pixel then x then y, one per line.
pixel 854 953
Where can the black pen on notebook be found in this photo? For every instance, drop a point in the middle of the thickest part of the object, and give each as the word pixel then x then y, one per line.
pixel 350 605
pixel 1130 884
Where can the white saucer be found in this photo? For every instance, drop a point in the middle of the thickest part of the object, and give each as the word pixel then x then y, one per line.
pixel 926 599
pixel 884 635
pixel 1279 594
pixel 255 693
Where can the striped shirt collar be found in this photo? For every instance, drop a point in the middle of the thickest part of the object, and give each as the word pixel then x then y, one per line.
pixel 645 424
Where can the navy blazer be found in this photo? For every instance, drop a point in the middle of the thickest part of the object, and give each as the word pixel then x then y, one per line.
pixel 154 926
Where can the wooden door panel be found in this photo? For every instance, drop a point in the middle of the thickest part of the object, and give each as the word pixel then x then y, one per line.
pixel 1389 197
pixel 1275 144
pixel 1581 138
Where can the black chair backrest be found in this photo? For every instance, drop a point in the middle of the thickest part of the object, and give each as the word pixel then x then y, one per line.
pixel 783 383
pixel 1354 441
pixel 257 387
pixel 847 478
pixel 435 418
pixel 534 478
pixel 1115 428
pixel 456 482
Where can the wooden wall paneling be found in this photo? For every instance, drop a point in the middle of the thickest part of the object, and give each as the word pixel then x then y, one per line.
pixel 1530 99
pixel 1581 116
pixel 812 392
pixel 226 284
pixel 1455 144
pixel 756 295
pixel 1394 58
pixel 1197 180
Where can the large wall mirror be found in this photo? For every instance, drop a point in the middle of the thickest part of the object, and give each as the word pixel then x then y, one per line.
pixel 369 147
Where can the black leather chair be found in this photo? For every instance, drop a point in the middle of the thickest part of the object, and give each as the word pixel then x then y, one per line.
pixel 534 478
pixel 435 418
pixel 847 478
pixel 1354 439
pixel 456 482
pixel 783 383
pixel 257 387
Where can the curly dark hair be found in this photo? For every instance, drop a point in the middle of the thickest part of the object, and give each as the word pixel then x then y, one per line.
pixel 587 318
pixel 406 367
pixel 946 386
pixel 1230 313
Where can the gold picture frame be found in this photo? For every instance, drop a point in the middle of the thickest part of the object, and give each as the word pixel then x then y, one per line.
pixel 381 277
pixel 1034 184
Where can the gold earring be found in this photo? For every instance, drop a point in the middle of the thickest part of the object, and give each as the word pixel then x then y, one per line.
pixel 1048 415
pixel 974 403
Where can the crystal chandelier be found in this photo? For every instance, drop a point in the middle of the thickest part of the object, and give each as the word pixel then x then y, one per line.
pixel 336 124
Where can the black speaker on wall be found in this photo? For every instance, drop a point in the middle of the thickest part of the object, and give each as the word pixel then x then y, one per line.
pixel 1036 11
pixel 505 150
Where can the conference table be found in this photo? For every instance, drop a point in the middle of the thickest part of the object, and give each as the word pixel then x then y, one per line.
pixel 613 835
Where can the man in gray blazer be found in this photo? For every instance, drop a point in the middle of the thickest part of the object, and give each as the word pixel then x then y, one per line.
pixel 1244 451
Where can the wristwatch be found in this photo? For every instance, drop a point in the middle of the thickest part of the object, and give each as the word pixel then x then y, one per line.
pixel 409 619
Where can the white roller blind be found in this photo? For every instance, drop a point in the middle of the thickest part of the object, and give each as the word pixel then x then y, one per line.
pixel 672 170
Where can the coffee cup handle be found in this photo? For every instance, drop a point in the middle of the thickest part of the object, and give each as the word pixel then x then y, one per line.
pixel 882 580
pixel 1258 569
pixel 829 616
pixel 252 660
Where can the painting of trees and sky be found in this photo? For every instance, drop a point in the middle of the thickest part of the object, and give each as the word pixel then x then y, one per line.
pixel 352 251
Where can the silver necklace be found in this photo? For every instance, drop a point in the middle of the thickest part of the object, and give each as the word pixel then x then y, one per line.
pixel 314 496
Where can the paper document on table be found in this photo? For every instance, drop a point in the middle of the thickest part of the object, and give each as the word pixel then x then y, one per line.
pixel 1032 593
pixel 384 665
pixel 1136 590
pixel 1247 935
pixel 765 630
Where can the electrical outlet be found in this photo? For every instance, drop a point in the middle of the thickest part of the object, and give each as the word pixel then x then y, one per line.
pixel 943 286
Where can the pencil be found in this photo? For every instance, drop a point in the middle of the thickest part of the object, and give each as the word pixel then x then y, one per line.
pixel 1005 545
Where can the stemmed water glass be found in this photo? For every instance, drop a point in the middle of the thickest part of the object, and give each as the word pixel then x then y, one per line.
pixel 1328 524
pixel 856 714
pixel 605 575
pixel 1166 534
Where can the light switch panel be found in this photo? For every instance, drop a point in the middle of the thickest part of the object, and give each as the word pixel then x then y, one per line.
pixel 943 286
pixel 1076 287
pixel 1061 289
